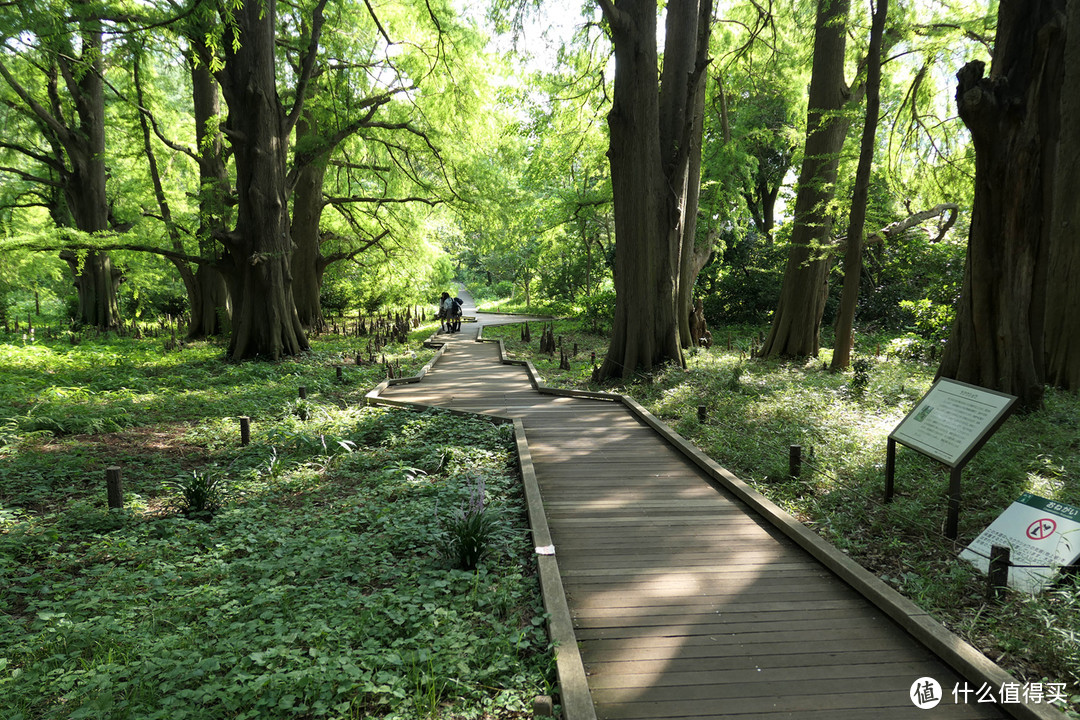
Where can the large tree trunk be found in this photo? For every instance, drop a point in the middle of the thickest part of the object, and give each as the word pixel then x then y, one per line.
pixel 860 196
pixel 211 306
pixel 796 325
pixel 308 262
pixel 682 103
pixel 645 330
pixel 265 323
pixel 651 151
pixel 997 340
pixel 1063 283
pixel 96 280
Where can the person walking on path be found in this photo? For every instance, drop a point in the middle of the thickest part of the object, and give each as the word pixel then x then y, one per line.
pixel 446 303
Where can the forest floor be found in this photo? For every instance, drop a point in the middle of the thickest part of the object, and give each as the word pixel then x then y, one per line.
pixel 316 572
pixel 755 410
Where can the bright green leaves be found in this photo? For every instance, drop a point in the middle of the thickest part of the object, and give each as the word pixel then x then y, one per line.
pixel 324 597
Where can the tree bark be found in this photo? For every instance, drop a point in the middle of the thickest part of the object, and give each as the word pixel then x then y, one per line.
pixel 96 282
pixel 683 138
pixel 211 306
pixel 265 321
pixel 997 340
pixel 84 179
pixel 860 197
pixel 796 324
pixel 651 149
pixel 1062 286
pixel 308 262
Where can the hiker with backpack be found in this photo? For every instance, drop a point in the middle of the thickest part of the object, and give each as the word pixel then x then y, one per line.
pixel 455 314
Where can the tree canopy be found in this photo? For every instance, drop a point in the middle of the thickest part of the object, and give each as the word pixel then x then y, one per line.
pixel 334 155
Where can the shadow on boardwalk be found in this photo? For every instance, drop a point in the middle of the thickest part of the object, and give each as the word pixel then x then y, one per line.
pixel 690 595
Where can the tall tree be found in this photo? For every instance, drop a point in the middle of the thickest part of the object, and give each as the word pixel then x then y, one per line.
pixel 861 195
pixel 211 306
pixel 1014 116
pixel 260 246
pixel 655 145
pixel 68 48
pixel 796 324
pixel 1062 285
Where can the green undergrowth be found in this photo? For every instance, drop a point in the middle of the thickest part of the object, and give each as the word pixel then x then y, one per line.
pixel 755 410
pixel 314 573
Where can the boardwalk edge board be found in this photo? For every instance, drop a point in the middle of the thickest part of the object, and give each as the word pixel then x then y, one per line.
pixel 965 659
pixel 575 696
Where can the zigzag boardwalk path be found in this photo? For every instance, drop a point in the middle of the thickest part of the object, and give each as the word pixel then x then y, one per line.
pixel 685 603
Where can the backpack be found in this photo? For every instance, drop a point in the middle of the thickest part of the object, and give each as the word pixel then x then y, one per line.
pixel 455 307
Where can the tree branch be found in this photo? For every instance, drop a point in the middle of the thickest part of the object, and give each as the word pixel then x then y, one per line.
pixel 355 199
pixel 37 108
pixel 307 66
pixel 29 177
pixel 34 155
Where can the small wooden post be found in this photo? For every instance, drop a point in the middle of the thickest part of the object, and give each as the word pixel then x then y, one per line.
pixel 952 523
pixel 997 577
pixel 115 488
pixel 245 430
pixel 795 461
pixel 303 392
pixel 543 706
pixel 340 373
pixel 890 469
pixel 702 413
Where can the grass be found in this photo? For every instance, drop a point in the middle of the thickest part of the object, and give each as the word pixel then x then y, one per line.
pixel 304 575
pixel 757 409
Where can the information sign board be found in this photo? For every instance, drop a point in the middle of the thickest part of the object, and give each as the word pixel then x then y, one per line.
pixel 951 420
pixel 1041 533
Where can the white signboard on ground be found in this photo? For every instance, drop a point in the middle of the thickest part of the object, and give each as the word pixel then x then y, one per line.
pixel 951 419
pixel 1039 532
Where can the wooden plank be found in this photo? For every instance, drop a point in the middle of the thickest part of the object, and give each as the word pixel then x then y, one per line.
pixel 894 688
pixel 655 644
pixel 663 606
pixel 873 668
pixel 802 617
pixel 869 703
pixel 719 635
pixel 734 567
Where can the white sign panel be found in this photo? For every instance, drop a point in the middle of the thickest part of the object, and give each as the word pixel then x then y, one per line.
pixel 951 419
pixel 1039 532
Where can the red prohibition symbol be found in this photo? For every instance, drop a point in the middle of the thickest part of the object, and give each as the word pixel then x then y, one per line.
pixel 1041 529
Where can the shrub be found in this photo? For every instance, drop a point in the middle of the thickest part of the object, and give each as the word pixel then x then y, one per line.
pixel 470 533
pixel 203 493
pixel 599 310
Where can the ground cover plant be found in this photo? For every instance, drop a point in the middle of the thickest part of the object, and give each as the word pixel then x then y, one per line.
pixel 314 573
pixel 755 410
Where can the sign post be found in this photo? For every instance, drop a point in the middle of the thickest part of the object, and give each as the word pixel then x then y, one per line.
pixel 950 424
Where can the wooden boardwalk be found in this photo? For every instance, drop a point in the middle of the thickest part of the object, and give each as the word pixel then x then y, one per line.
pixel 686 603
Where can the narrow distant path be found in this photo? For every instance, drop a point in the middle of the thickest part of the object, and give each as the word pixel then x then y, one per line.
pixel 686 602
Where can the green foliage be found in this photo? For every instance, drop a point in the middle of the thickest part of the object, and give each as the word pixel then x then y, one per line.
pixel 599 310
pixel 742 284
pixel 318 590
pixel 860 376
pixel 471 531
pixel 202 493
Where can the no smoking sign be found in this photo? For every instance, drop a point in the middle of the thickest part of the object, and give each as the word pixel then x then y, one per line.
pixel 1041 529
pixel 1043 535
